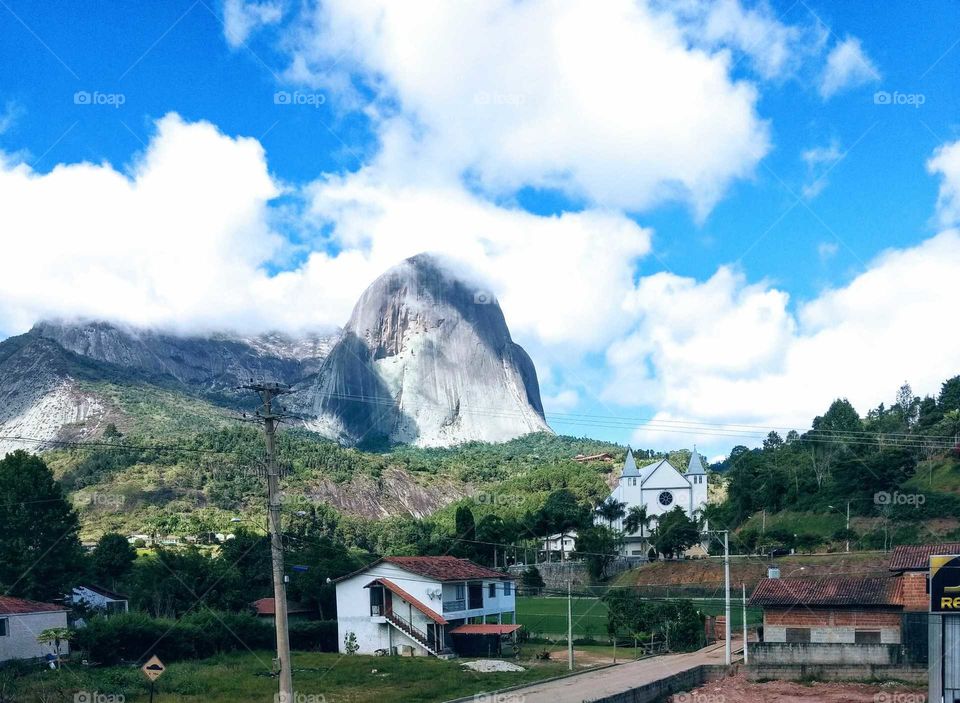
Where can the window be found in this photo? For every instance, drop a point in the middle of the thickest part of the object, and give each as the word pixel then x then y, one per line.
pixel 4 630
pixel 798 634
pixel 866 637
pixel 507 588
pixel 492 590
pixel 460 591
pixel 666 498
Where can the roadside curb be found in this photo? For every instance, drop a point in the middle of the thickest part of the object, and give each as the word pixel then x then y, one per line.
pixel 560 677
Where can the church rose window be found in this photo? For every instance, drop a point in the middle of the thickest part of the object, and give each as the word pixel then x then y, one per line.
pixel 666 498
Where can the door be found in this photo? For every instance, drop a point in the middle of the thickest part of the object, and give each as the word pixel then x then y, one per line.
pixel 951 658
pixel 388 601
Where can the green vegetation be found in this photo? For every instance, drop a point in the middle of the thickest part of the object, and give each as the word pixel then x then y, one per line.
pixel 243 677
pixel 546 616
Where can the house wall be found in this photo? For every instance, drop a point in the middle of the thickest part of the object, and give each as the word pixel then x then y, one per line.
pixel 831 625
pixel 915 594
pixel 21 640
pixel 353 607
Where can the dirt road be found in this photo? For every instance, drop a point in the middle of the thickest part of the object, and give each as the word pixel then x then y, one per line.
pixel 739 689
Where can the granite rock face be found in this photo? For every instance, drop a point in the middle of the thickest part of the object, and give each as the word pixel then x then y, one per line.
pixel 427 359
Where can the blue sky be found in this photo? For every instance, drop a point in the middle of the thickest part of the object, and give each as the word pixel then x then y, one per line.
pixel 765 211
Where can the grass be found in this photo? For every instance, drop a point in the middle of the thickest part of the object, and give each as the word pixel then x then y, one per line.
pixel 238 678
pixel 548 616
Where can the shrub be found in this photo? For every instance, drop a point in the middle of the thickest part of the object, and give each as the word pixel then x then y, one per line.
pixel 133 636
pixel 314 635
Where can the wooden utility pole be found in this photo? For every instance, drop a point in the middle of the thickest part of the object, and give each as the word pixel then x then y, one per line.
pixel 267 392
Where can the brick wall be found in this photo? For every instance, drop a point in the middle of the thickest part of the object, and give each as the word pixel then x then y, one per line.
pixel 915 596
pixel 831 625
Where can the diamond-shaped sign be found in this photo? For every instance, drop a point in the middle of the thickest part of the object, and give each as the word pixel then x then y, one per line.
pixel 153 668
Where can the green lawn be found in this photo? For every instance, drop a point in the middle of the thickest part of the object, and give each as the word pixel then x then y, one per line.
pixel 544 616
pixel 239 678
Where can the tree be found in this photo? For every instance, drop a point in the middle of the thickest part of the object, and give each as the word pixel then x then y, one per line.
pixel 907 404
pixel 113 558
pixel 54 637
pixel 598 546
pixel 611 509
pixel 532 580
pixel 560 514
pixel 949 398
pixel 466 532
pixel 637 520
pixel 40 553
pixel 675 532
pixel 773 441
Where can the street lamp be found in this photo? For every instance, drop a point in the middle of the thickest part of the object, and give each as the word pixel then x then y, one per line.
pixel 848 523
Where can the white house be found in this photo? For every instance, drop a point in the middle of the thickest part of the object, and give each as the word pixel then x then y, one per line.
pixel 97 598
pixel 20 623
pixel 563 545
pixel 660 487
pixel 421 605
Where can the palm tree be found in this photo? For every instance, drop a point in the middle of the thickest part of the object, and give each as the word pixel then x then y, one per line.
pixel 637 519
pixel 610 510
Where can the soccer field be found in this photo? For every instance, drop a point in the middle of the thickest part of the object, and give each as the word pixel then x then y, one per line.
pixel 548 615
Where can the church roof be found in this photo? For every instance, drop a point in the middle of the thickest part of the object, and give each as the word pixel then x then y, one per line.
pixel 629 465
pixel 695 466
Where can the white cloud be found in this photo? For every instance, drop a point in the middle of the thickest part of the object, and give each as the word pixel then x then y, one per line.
pixel 561 402
pixel 827 250
pixel 728 351
pixel 184 240
pixel 848 66
pixel 946 162
pixel 240 18
pixel 775 49
pixel 819 160
pixel 12 112
pixel 606 101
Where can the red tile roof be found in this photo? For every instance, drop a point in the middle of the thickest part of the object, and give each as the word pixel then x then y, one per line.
pixel 446 568
pixel 387 583
pixel 827 592
pixel 267 606
pixel 20 606
pixel 916 557
pixel 480 629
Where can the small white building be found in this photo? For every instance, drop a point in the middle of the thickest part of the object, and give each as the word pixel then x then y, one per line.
pixel 413 604
pixel 660 487
pixel 98 598
pixel 21 621
pixel 564 544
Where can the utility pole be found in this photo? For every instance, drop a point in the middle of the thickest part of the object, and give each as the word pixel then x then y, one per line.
pixel 848 525
pixel 569 628
pixel 746 656
pixel 267 392
pixel 726 577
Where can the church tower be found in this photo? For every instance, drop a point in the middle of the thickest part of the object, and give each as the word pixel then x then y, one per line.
pixel 697 476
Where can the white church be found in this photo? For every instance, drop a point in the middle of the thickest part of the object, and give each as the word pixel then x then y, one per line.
pixel 660 487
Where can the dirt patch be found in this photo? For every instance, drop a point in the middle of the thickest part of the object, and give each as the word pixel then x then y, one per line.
pixel 738 689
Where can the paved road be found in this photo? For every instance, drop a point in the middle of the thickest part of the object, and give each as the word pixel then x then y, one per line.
pixel 592 685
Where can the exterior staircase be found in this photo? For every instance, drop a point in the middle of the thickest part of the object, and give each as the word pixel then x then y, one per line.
pixel 418 636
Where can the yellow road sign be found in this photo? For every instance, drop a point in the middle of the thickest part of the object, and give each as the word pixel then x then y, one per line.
pixel 153 668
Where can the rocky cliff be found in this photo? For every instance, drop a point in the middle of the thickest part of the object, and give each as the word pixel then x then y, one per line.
pixel 426 358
